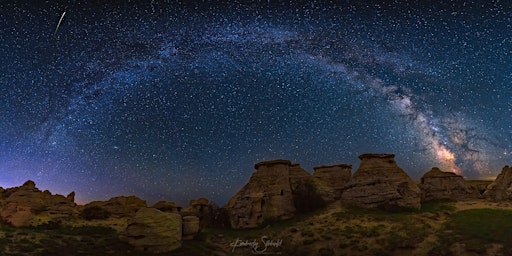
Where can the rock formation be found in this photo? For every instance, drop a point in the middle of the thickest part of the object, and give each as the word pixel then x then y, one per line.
pixel 331 180
pixel 436 184
pixel 266 196
pixel 501 188
pixel 167 207
pixel 276 191
pixel 121 206
pixel 308 193
pixel 24 203
pixel 380 182
pixel 203 209
pixel 190 227
pixel 154 231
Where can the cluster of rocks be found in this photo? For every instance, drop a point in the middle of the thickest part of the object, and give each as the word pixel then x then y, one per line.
pixel 277 190
pixel 162 227
pixel 27 205
pixel 157 228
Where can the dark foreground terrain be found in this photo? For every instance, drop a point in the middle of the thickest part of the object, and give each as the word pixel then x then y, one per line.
pixel 475 227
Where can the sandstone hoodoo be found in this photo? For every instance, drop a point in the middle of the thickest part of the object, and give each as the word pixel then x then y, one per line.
pixel 308 193
pixel 279 189
pixel 333 179
pixel 380 183
pixel 501 188
pixel 267 195
pixel 436 184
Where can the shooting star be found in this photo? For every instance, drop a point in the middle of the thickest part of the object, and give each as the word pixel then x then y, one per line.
pixel 58 24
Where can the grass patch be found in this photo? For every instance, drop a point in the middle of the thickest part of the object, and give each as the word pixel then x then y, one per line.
pixel 437 206
pixel 491 225
pixel 476 229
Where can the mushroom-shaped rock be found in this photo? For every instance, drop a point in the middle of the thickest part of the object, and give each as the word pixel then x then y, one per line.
pixel 436 184
pixel 380 183
pixel 267 196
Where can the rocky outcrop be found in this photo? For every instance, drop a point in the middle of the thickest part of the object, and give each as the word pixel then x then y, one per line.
pixel 203 209
pixel 501 188
pixel 165 206
pixel 190 227
pixel 436 184
pixel 380 183
pixel 266 196
pixel 154 231
pixel 24 203
pixel 308 193
pixel 331 180
pixel 121 206
pixel 276 191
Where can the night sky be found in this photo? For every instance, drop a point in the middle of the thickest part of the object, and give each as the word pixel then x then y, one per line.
pixel 172 101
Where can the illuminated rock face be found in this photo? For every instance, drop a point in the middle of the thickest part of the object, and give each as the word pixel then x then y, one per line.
pixel 501 188
pixel 23 204
pixel 279 189
pixel 154 231
pixel 436 184
pixel 380 183
pixel 267 196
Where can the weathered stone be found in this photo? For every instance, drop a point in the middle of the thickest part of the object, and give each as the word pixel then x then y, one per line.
pixel 154 231
pixel 308 193
pixel 190 227
pixel 267 196
pixel 167 207
pixel 71 196
pixel 380 182
pixel 203 209
pixel 26 202
pixel 121 206
pixel 501 188
pixel 436 184
pixel 331 180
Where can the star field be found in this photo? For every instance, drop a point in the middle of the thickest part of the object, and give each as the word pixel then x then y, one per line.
pixel 175 101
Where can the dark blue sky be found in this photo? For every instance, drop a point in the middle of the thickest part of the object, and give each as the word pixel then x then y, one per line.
pixel 172 101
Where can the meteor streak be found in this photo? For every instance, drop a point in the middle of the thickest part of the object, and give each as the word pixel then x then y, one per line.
pixel 58 24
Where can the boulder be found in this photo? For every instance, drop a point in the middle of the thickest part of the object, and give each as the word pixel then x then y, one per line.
pixel 154 231
pixel 267 196
pixel 331 180
pixel 436 184
pixel 501 188
pixel 380 183
pixel 121 206
pixel 190 227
